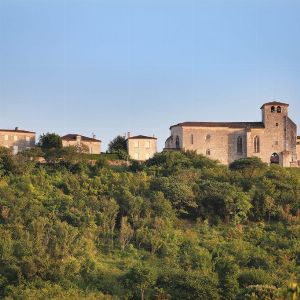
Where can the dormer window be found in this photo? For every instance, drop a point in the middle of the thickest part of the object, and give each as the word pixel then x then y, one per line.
pixel 272 109
pixel 279 109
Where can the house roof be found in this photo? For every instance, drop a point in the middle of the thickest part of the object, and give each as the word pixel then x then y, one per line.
pixel 222 124
pixel 141 137
pixel 16 131
pixel 72 137
pixel 275 103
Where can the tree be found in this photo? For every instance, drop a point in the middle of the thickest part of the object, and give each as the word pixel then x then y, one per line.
pixel 228 272
pixel 141 277
pixel 7 162
pixel 117 144
pixel 249 167
pixel 126 233
pixel 50 141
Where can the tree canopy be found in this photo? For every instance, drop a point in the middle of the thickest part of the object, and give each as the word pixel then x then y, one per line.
pixel 179 227
pixel 50 141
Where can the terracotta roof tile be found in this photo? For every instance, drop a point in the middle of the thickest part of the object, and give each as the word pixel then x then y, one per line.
pixel 142 137
pixel 72 137
pixel 16 131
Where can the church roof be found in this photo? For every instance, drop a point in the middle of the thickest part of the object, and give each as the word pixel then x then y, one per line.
pixel 72 137
pixel 275 103
pixel 143 137
pixel 222 124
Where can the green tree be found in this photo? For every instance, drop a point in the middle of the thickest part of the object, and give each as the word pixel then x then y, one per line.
pixel 140 277
pixel 117 144
pixel 49 141
pixel 228 272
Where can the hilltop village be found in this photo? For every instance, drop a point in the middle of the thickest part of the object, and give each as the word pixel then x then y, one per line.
pixel 274 139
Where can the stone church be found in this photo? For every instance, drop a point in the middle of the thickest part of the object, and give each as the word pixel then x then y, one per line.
pixel 274 139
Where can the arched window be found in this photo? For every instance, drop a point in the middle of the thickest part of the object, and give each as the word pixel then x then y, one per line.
pixel 274 158
pixel 256 144
pixel 207 138
pixel 279 109
pixel 272 109
pixel 208 152
pixel 177 142
pixel 239 144
pixel 192 139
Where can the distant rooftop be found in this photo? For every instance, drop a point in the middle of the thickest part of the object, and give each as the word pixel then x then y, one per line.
pixel 275 103
pixel 16 130
pixel 222 124
pixel 73 136
pixel 138 137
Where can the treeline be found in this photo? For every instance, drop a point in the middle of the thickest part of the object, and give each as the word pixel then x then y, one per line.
pixel 179 226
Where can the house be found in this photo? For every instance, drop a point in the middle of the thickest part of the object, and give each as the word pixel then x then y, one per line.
pixel 16 139
pixel 273 139
pixel 141 147
pixel 86 144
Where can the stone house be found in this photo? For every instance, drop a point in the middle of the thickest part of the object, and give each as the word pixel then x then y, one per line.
pixel 274 139
pixel 87 144
pixel 141 147
pixel 17 140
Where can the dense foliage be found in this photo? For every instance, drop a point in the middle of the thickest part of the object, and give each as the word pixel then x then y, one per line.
pixel 179 226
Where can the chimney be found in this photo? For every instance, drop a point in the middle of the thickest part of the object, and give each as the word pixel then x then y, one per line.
pixel 78 139
pixel 16 128
pixel 94 136
pixel 128 134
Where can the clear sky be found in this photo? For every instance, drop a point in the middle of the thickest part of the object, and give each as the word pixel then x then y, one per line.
pixel 113 66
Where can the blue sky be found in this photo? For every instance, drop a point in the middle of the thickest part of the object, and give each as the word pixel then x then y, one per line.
pixel 113 66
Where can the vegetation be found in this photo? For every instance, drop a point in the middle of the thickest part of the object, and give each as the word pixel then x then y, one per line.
pixel 179 226
pixel 119 146
pixel 50 141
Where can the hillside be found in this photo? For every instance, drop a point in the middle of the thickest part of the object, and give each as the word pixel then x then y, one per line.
pixel 179 226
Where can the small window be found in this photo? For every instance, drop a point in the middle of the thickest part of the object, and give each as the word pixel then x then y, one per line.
pixel 272 109
pixel 239 144
pixel 208 152
pixel 147 144
pixel 256 145
pixel 208 137
pixel 277 124
pixel 279 109
pixel 136 144
pixel 177 142
pixel 276 143
pixel 192 139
